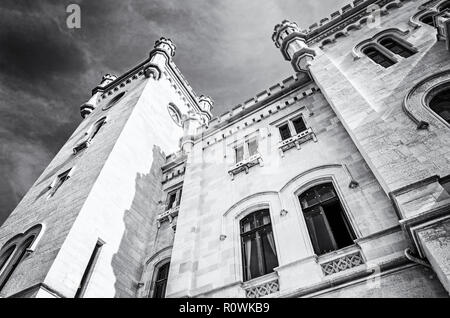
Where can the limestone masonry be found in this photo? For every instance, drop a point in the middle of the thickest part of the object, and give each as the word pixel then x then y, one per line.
pixel 334 182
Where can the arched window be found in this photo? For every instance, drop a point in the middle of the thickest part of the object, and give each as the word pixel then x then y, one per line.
pixel 258 246
pixel 160 281
pixel 445 5
pixel 5 256
pixel 440 104
pixel 396 47
pixel 427 19
pixel 15 260
pixel 378 57
pixel 325 218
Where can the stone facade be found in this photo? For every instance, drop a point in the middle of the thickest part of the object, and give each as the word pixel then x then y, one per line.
pixel 160 182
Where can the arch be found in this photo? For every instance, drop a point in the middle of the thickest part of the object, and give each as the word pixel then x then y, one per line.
pixel 248 198
pixel 443 6
pixel 416 102
pixel 175 114
pixel 397 46
pixel 438 100
pixel 327 222
pixel 427 19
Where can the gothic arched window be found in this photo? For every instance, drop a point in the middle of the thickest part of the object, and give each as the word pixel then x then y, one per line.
pixel 160 281
pixel 440 104
pixel 13 260
pixel 258 246
pixel 445 5
pixel 378 57
pixel 326 221
pixel 396 47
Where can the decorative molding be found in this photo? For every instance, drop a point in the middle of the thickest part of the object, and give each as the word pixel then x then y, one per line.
pixel 153 71
pixel 296 141
pixel 263 289
pixel 342 263
pixel 415 102
pixel 245 165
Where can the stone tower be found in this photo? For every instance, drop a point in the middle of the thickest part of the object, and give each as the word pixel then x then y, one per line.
pixel 95 205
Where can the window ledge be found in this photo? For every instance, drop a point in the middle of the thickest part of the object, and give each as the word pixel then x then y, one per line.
pixel 296 140
pixel 167 215
pixel 245 165
pixel 261 286
pixel 341 260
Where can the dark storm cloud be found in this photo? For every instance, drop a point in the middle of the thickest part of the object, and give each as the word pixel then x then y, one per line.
pixel 47 70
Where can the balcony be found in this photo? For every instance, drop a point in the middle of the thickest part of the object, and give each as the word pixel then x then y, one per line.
pixel 262 286
pixel 341 260
pixel 167 215
pixel 296 140
pixel 245 165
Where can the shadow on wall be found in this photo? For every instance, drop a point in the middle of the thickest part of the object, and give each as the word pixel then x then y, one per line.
pixel 139 225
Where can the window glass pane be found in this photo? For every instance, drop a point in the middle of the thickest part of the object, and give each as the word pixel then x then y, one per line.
pixel 309 198
pixel 5 256
pixel 252 147
pixel 171 200
pixel 338 224
pixel 163 272
pixel 96 129
pixel 325 192
pixel 299 125
pixel 15 261
pixel 319 232
pixel 239 153
pixel 269 250
pixel 396 47
pixel 428 19
pixel 285 133
pixel 378 57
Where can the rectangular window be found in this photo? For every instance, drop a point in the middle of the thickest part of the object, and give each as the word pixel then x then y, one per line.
pixel 285 132
pixel 63 177
pixel 247 149
pixel 299 125
pixel 173 199
pixel 89 270
pixel 258 246
pixel 239 153
pixel 252 147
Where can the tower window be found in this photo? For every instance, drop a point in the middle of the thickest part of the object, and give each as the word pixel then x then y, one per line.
pixel 440 104
pixel 173 199
pixel 161 281
pixel 11 261
pixel 258 245
pixel 89 270
pixel 114 100
pixel 378 57
pixel 91 134
pixel 247 149
pixel 299 125
pixel 444 6
pixel 326 221
pixel 63 177
pixel 396 47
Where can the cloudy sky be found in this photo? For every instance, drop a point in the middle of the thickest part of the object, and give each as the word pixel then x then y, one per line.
pixel 47 71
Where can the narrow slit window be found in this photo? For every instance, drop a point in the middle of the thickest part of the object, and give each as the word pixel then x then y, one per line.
pixel 396 47
pixel 161 281
pixel 258 246
pixel 427 19
pixel 89 270
pixel 173 199
pixel 378 57
pixel 327 224
pixel 63 177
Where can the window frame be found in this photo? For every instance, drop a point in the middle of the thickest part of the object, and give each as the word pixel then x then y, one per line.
pixel 381 50
pixel 290 123
pixel 178 191
pixel 245 147
pixel 260 249
pixel 348 220
pixel 57 183
pixel 156 269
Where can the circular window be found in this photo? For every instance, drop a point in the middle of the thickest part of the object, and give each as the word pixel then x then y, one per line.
pixel 174 114
pixel 113 101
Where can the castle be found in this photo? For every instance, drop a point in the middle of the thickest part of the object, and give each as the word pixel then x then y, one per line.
pixel 333 183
